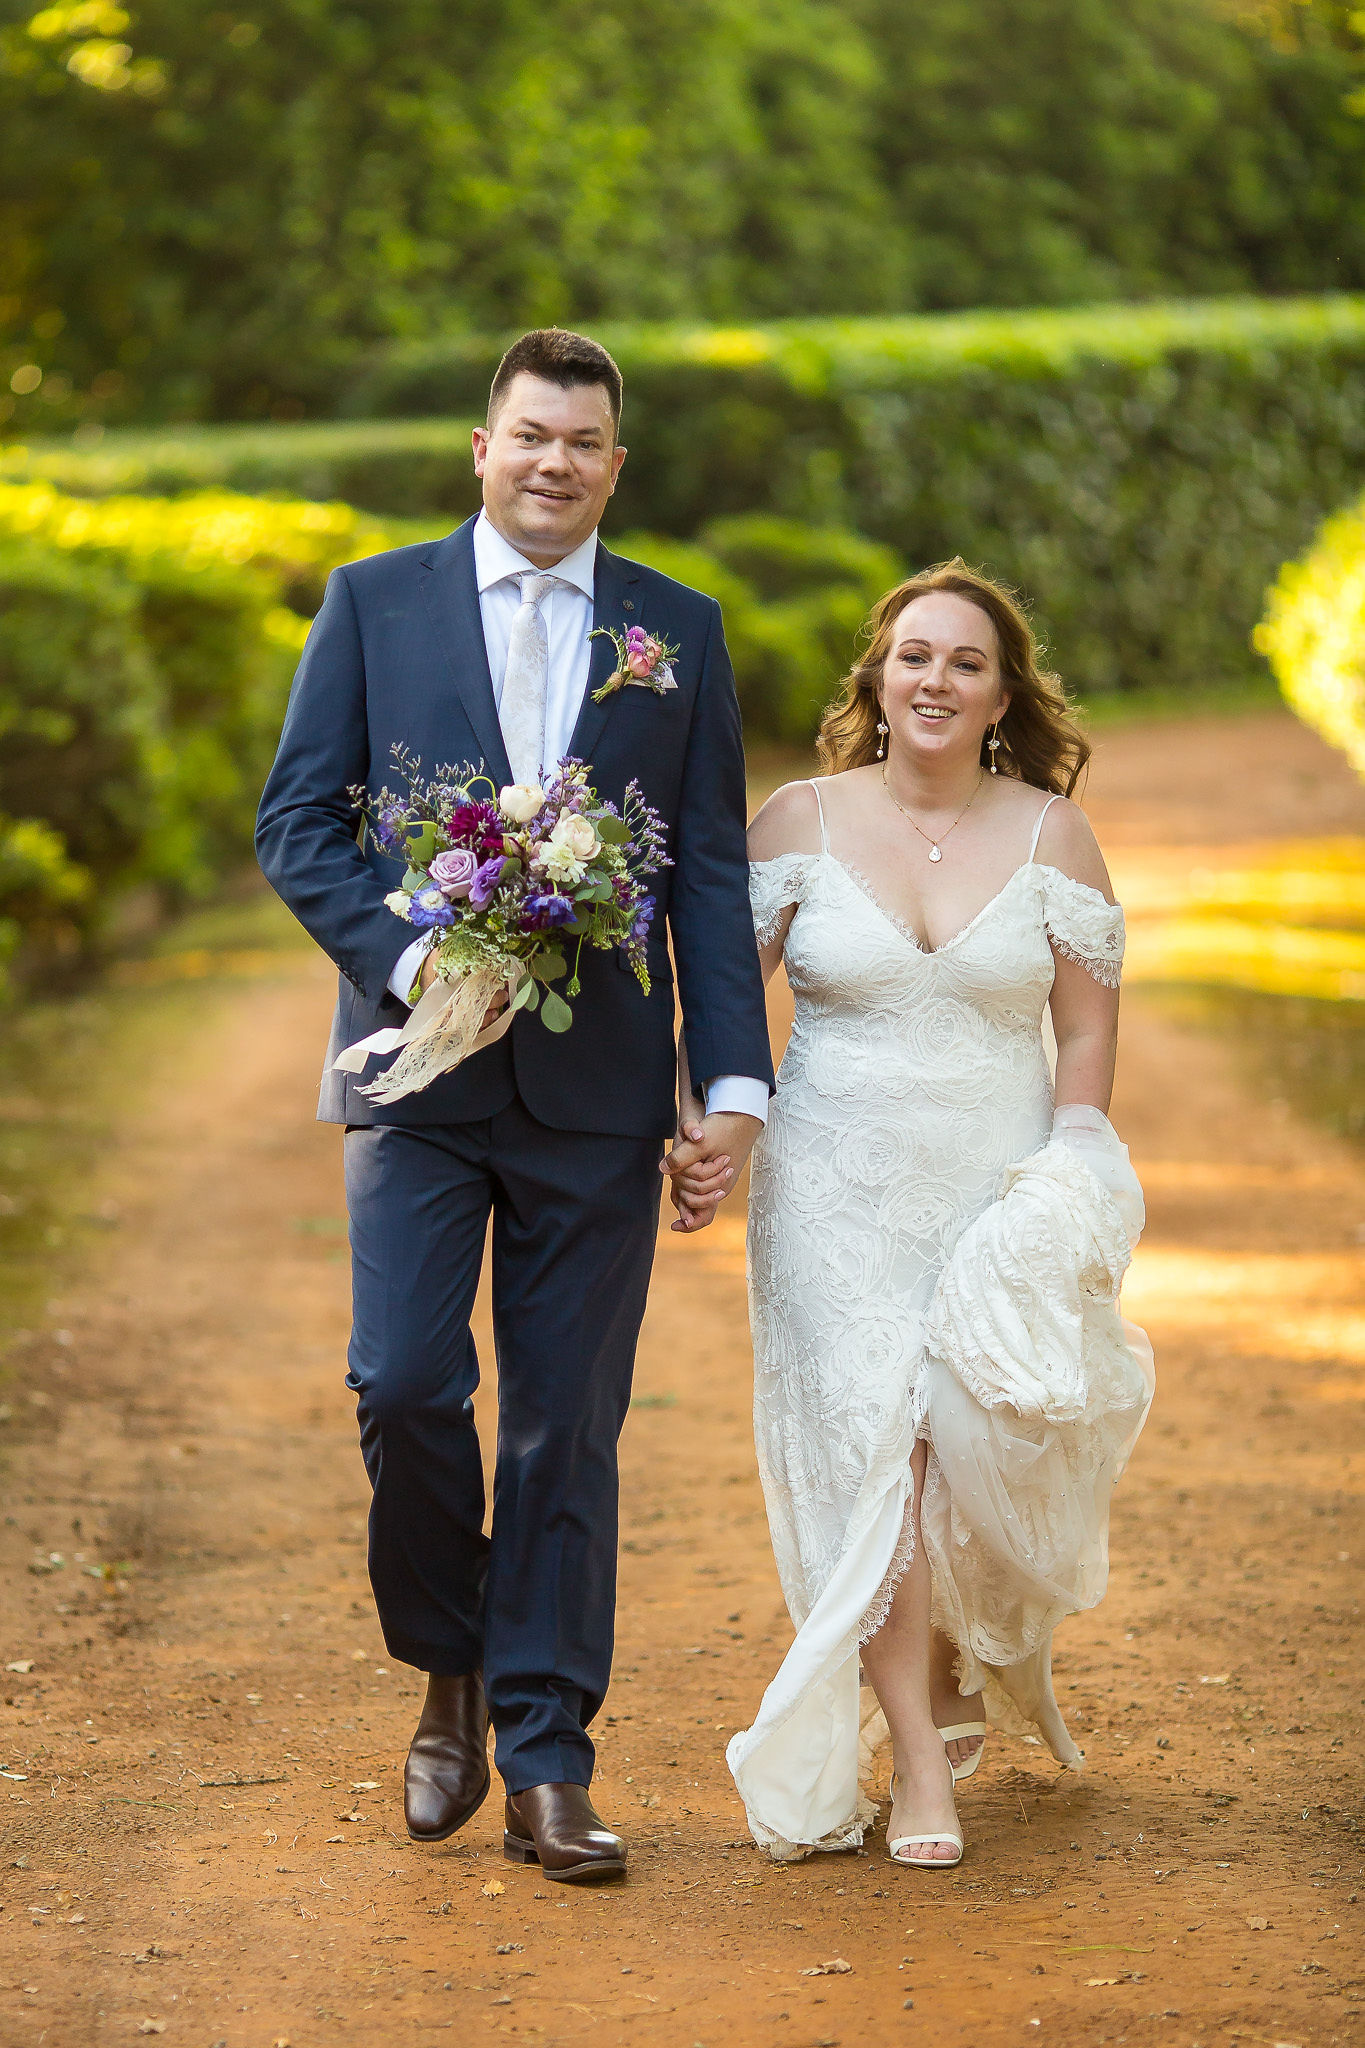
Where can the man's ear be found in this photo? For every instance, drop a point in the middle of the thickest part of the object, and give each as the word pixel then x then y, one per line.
pixel 479 439
pixel 618 456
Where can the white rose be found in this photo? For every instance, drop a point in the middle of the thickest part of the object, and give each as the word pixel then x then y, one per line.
pixel 578 835
pixel 520 801
pixel 559 862
pixel 400 903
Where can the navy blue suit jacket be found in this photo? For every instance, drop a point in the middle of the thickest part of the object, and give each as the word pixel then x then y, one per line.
pixel 397 654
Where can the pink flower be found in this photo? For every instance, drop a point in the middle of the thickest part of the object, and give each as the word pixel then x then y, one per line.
pixel 454 872
pixel 639 665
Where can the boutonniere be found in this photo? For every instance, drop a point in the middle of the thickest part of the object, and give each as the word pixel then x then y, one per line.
pixel 640 659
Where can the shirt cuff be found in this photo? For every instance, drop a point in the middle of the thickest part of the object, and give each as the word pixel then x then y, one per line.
pixel 737 1095
pixel 407 967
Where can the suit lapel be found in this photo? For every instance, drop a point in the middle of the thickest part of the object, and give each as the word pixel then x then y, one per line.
pixel 451 596
pixel 615 585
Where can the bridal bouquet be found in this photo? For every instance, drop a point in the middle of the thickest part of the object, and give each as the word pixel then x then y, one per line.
pixel 509 883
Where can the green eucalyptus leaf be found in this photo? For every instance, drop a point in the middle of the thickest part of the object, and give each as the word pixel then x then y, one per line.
pixel 421 843
pixel 555 1012
pixel 549 967
pixel 527 996
pixel 414 879
pixel 614 831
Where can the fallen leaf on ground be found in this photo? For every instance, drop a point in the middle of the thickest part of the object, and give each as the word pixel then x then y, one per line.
pixel 1257 1920
pixel 20 1664
pixel 19 1777
pixel 366 1785
pixel 837 1967
pixel 336 1838
pixel 1094 1983
pixel 359 1656
pixel 494 1888
pixel 1221 1679
pixel 352 1815
pixel 152 2027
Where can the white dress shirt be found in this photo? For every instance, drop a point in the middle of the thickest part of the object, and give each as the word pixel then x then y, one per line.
pixel 567 611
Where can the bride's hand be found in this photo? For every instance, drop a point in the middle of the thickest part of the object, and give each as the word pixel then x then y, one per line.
pixel 697 1183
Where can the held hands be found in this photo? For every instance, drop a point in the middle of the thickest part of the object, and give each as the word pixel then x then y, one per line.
pixel 707 1156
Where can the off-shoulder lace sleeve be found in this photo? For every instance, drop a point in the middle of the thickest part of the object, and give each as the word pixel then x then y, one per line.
pixel 774 886
pixel 1083 926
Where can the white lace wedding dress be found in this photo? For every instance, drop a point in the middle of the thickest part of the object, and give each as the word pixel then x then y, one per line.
pixel 894 1294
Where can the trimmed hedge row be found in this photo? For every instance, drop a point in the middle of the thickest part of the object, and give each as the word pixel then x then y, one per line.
pixel 146 648
pixel 401 468
pixel 1140 471
pixel 1313 634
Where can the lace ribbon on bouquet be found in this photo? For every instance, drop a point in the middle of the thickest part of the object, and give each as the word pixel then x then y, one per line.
pixel 445 1027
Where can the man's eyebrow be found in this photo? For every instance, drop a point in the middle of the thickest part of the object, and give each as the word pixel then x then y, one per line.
pixel 539 427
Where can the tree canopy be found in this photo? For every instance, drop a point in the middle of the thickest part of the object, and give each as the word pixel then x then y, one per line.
pixel 214 213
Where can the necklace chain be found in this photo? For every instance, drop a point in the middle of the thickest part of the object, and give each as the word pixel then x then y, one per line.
pixel 935 845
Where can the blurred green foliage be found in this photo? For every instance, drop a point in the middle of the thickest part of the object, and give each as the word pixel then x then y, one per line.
pixel 1140 471
pixel 1313 633
pixel 211 212
pixel 399 467
pixel 146 647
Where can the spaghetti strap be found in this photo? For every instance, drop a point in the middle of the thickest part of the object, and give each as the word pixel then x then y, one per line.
pixel 824 833
pixel 1037 828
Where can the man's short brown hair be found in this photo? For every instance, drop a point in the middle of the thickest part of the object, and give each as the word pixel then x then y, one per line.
pixel 559 357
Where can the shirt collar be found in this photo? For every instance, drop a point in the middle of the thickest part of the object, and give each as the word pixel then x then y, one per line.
pixel 495 559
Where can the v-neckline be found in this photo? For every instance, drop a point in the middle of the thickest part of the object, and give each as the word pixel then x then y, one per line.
pixel 897 924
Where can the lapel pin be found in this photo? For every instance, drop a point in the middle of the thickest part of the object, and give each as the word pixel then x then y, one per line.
pixel 627 604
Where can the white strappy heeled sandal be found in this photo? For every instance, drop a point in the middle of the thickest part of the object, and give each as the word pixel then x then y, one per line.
pixel 895 1844
pixel 963 1731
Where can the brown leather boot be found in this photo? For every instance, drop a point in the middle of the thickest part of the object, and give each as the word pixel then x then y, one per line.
pixel 446 1778
pixel 555 1826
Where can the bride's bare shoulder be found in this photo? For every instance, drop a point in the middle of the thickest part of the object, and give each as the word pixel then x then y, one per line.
pixel 789 822
pixel 1067 842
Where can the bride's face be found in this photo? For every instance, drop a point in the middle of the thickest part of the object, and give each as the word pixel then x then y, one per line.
pixel 941 680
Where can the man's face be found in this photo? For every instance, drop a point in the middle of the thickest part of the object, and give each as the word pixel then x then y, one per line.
pixel 549 462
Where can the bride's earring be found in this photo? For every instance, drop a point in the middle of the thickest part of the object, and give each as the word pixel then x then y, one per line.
pixel 882 729
pixel 993 743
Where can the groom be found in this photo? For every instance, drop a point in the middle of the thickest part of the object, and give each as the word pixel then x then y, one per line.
pixel 475 648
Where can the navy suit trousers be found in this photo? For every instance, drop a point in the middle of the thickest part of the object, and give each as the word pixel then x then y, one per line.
pixel 532 1604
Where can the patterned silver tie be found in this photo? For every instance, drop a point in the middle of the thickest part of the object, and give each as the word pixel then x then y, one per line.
pixel 525 681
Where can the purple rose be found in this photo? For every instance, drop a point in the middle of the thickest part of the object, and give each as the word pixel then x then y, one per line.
pixel 544 913
pixel 454 872
pixel 485 882
pixel 428 907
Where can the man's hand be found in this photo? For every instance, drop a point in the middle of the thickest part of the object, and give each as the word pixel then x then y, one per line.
pixel 704 1163
pixel 495 1008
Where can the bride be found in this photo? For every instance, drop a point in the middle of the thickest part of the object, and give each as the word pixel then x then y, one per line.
pixel 944 1393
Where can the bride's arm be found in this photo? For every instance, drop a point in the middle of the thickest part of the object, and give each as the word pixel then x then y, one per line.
pixel 1085 1011
pixel 788 823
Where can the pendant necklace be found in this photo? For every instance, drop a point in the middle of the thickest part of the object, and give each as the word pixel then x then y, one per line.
pixel 935 845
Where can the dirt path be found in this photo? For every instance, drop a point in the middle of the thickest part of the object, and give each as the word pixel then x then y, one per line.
pixel 202 1750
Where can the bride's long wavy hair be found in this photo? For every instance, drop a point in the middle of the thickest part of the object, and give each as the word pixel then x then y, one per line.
pixel 1040 741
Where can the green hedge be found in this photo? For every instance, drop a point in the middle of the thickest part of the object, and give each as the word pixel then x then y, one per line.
pixel 402 468
pixel 794 598
pixel 1141 471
